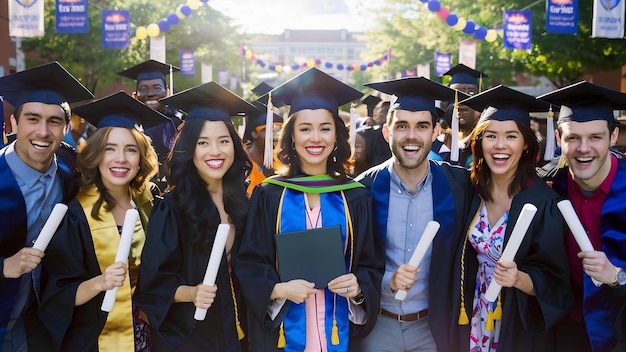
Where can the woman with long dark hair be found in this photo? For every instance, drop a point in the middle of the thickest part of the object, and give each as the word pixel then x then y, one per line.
pixel 312 191
pixel 535 293
pixel 206 172
pixel 115 168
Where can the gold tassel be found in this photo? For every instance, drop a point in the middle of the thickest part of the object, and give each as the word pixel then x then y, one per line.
pixel 490 324
pixel 335 334
pixel 497 314
pixel 240 333
pixel 463 320
pixel 281 337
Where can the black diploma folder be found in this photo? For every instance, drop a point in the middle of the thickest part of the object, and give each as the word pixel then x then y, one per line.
pixel 314 255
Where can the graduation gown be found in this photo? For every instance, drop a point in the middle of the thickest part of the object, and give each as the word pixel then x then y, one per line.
pixel 74 256
pixel 170 260
pixel 255 264
pixel 452 194
pixel 13 233
pixel 526 320
pixel 604 307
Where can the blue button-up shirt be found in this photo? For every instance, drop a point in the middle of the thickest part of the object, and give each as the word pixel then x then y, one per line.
pixel 407 219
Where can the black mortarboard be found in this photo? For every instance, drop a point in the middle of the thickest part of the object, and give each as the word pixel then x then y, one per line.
pixel 149 70
pixel 258 118
pixel 120 110
pixel 502 103
pixel 314 89
pixel 464 75
pixel 209 101
pixel 261 89
pixel 414 93
pixel 584 102
pixel 49 84
pixel 370 101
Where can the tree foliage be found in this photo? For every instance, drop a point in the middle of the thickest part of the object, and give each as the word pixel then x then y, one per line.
pixel 206 31
pixel 415 34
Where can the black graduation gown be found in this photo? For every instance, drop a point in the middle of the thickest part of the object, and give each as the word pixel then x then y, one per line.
pixel 70 260
pixel 526 320
pixel 452 196
pixel 170 259
pixel 255 264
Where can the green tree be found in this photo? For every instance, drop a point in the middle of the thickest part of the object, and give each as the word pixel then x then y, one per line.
pixel 415 34
pixel 206 31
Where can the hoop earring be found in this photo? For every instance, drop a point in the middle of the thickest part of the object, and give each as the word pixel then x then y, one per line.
pixel 334 158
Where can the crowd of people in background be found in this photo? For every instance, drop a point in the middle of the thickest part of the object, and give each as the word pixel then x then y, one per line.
pixel 468 158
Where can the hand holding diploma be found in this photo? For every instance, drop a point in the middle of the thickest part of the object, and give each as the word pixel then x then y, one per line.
pixel 128 229
pixel 517 235
pixel 50 227
pixel 214 263
pixel 422 246
pixel 577 229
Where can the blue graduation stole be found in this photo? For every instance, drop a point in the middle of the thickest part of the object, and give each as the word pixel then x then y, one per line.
pixel 596 311
pixel 13 226
pixel 292 217
pixel 443 202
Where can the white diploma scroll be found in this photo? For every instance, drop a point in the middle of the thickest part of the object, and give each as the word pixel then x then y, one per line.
pixel 214 263
pixel 422 246
pixel 130 221
pixel 50 227
pixel 577 229
pixel 517 235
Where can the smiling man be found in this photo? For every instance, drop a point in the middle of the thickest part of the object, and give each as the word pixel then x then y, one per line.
pixel 408 191
pixel 34 179
pixel 595 182
pixel 151 87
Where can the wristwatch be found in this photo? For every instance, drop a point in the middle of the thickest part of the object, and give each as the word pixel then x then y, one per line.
pixel 358 299
pixel 620 278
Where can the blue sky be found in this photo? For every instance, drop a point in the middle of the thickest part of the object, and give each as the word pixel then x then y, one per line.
pixel 272 17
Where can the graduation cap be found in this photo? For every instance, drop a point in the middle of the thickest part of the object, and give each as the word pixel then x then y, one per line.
pixel 502 103
pixel 258 118
pixel 414 93
pixel 584 102
pixel 49 84
pixel 370 101
pixel 209 101
pixel 465 75
pixel 261 89
pixel 120 110
pixel 149 70
pixel 314 89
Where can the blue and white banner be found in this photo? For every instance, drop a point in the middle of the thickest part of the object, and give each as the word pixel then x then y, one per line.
pixel 26 18
pixel 115 29
pixel 423 70
pixel 72 17
pixel 223 76
pixel 187 63
pixel 562 16
pixel 518 29
pixel 608 19
pixel 467 52
pixel 442 63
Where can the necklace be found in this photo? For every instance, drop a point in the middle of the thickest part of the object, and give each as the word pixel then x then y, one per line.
pixel 317 221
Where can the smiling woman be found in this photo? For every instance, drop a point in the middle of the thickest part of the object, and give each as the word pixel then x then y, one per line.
pixel 313 190
pixel 206 172
pixel 115 168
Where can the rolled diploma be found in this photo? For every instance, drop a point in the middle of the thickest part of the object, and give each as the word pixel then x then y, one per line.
pixel 130 221
pixel 50 227
pixel 577 229
pixel 214 263
pixel 427 238
pixel 517 235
